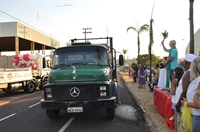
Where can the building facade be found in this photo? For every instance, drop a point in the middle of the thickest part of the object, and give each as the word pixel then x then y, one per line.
pixel 196 44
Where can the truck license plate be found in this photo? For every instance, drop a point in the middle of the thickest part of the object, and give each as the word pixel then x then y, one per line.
pixel 74 109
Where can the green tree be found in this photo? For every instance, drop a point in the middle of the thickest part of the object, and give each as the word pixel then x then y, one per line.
pixel 191 27
pixel 124 51
pixel 139 30
pixel 155 60
pixel 134 65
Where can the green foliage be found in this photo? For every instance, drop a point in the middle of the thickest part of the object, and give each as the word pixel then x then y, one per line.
pixel 165 35
pixel 144 60
pixel 124 51
pixel 133 65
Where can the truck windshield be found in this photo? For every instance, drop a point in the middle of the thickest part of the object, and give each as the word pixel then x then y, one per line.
pixel 80 56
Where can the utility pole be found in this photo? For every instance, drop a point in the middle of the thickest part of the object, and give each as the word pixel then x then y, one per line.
pixel 85 32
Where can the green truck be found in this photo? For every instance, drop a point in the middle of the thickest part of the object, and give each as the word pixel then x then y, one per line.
pixel 83 76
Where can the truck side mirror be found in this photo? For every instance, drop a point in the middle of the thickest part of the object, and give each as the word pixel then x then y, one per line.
pixel 121 60
pixel 43 62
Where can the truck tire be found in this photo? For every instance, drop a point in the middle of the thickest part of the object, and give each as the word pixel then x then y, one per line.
pixel 43 82
pixel 9 89
pixel 30 87
pixel 52 114
pixel 6 90
pixel 110 113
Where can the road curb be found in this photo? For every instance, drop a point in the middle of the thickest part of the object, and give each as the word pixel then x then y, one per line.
pixel 150 123
pixel 4 102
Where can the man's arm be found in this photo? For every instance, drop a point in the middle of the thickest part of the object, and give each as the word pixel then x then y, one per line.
pixel 185 84
pixel 169 60
pixel 165 49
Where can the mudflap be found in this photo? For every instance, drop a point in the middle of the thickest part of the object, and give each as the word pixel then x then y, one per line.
pixel 114 91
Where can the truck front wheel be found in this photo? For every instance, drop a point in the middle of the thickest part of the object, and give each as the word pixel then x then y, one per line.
pixel 110 113
pixel 52 114
pixel 43 82
pixel 30 87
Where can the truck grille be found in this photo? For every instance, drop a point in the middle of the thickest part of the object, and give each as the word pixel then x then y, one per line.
pixel 86 92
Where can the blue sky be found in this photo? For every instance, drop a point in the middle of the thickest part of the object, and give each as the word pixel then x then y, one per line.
pixel 107 17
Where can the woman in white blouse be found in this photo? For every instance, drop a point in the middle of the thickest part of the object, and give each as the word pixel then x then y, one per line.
pixel 192 89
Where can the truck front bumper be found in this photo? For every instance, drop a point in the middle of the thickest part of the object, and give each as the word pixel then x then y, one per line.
pixel 89 104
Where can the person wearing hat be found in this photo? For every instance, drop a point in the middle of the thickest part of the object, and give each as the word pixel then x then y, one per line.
pixel 181 90
pixel 172 61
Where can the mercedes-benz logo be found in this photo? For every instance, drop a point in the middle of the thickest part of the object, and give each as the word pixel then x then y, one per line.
pixel 74 92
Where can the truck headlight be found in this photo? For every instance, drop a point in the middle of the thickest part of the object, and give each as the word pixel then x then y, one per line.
pixel 48 92
pixel 102 93
pixel 49 95
pixel 103 88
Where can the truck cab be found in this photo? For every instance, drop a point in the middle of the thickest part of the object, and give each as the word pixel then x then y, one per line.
pixel 83 77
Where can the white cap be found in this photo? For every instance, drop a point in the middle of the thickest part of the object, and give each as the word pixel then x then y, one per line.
pixel 189 57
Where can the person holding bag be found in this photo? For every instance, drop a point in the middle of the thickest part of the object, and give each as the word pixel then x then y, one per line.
pixel 192 89
pixel 186 124
pixel 181 90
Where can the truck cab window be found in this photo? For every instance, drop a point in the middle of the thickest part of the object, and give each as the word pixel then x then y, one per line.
pixel 84 55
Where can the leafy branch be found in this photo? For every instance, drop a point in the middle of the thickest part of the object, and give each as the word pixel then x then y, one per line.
pixel 165 35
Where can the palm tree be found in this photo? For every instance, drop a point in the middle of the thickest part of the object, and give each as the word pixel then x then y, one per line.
pixel 151 42
pixel 124 51
pixel 191 27
pixel 143 28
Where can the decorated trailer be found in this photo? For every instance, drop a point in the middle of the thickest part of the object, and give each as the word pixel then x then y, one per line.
pixel 24 71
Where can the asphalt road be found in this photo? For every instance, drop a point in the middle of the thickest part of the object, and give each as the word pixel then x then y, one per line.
pixel 22 113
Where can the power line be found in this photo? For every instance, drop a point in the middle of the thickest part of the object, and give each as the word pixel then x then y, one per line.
pixel 29 25
pixel 33 13
pixel 36 15
pixel 63 5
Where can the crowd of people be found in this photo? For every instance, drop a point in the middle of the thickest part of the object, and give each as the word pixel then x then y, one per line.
pixel 185 83
pixel 182 78
pixel 141 74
